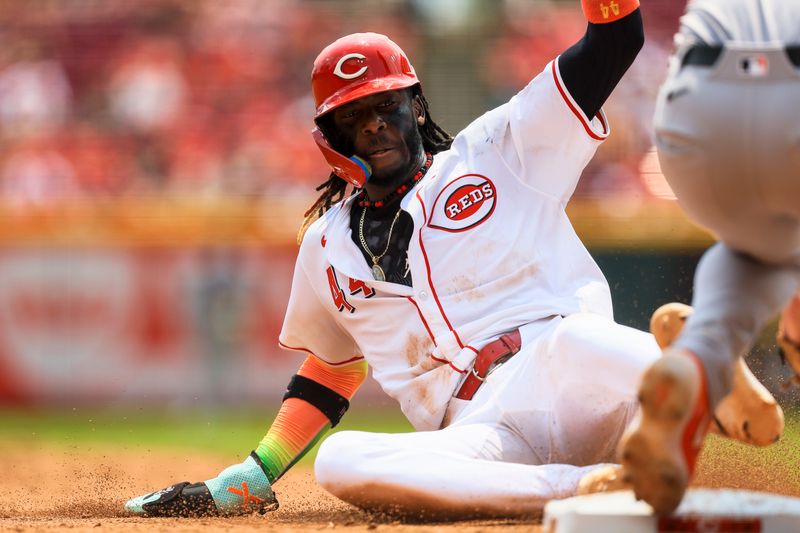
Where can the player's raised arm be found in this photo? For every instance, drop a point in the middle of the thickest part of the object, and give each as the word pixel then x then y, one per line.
pixel 593 66
pixel 315 400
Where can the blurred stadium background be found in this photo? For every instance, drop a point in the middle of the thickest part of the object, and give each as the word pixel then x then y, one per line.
pixel 155 162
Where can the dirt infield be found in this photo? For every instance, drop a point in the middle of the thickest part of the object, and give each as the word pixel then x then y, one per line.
pixel 82 488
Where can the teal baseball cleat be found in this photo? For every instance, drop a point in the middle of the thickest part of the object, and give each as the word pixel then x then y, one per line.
pixel 239 489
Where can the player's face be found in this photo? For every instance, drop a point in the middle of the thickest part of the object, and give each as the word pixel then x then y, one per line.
pixel 382 129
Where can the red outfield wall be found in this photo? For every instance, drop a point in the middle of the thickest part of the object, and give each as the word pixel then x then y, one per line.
pixel 188 325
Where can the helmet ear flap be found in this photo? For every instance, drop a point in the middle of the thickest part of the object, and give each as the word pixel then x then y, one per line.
pixel 353 169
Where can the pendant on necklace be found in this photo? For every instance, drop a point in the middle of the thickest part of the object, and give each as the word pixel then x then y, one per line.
pixel 377 273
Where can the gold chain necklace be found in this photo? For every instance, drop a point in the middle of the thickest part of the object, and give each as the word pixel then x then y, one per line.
pixel 377 271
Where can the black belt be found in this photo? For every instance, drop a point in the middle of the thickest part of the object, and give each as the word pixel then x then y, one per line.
pixel 705 55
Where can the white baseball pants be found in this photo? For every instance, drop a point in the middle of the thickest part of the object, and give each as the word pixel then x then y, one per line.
pixel 539 423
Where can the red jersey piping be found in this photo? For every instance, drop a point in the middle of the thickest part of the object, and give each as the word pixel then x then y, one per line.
pixel 424 322
pixel 296 349
pixel 575 111
pixel 430 280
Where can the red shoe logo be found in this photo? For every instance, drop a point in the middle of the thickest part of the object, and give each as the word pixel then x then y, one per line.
pixel 245 494
pixel 697 428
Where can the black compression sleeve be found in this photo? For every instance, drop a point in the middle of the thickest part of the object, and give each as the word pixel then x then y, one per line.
pixel 593 66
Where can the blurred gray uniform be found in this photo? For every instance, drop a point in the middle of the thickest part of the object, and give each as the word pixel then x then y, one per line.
pixel 727 130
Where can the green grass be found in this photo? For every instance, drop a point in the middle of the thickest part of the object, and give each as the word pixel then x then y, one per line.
pixel 233 432
pixel 236 432
pixel 776 466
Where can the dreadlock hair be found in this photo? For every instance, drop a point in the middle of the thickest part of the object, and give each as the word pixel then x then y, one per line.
pixel 434 140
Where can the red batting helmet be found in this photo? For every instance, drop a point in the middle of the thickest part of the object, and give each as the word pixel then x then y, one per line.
pixel 350 68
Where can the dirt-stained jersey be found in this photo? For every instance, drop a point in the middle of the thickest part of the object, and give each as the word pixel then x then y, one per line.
pixel 492 250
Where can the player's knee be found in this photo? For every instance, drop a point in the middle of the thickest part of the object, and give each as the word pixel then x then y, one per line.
pixel 340 459
pixel 570 332
pixel 358 468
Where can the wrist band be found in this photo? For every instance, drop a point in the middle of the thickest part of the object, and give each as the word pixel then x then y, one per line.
pixel 605 11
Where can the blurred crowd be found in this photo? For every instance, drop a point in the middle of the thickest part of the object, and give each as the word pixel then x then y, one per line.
pixel 207 98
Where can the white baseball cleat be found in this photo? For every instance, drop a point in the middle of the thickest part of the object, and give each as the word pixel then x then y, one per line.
pixel 749 413
pixel 659 450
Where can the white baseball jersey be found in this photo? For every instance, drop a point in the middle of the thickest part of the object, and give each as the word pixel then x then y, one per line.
pixel 492 250
pixel 741 21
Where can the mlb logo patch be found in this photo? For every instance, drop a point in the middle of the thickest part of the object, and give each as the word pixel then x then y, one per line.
pixel 754 66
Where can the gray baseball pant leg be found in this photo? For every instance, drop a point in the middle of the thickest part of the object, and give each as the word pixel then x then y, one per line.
pixel 734 296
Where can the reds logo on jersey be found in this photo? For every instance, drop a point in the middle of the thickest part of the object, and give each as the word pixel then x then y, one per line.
pixel 464 203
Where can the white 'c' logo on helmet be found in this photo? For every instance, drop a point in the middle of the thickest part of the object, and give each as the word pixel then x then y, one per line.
pixel 359 72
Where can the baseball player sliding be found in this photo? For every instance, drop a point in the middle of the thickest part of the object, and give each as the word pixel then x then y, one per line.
pixel 451 269
pixel 727 130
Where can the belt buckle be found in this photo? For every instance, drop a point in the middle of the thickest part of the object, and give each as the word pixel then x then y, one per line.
pixel 478 376
pixel 497 362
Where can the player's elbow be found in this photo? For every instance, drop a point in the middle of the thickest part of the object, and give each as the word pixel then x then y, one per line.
pixel 632 39
pixel 622 39
pixel 635 39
